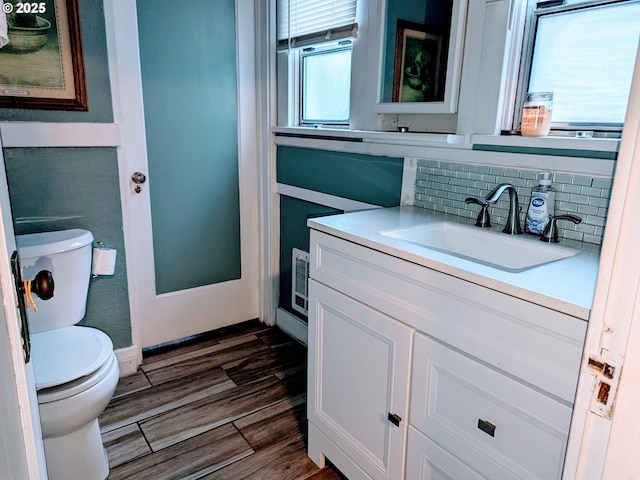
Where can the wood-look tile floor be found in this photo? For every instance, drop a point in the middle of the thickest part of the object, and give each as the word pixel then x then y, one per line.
pixel 229 406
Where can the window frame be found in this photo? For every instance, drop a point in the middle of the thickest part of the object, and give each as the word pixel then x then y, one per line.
pixel 533 13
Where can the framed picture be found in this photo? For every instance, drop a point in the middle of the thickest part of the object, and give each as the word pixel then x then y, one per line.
pixel 418 64
pixel 42 66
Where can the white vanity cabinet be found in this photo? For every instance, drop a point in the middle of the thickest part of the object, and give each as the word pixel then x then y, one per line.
pixel 480 383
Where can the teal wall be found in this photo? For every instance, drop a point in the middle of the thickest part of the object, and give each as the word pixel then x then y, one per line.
pixel 188 60
pixel 364 178
pixel 294 233
pixel 61 188
pixel 77 187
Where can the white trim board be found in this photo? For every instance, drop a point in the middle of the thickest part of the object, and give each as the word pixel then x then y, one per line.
pixel 324 199
pixel 292 325
pixel 409 175
pixel 129 359
pixel 53 134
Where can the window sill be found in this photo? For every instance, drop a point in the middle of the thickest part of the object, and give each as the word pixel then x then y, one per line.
pixel 369 137
pixel 411 144
pixel 604 148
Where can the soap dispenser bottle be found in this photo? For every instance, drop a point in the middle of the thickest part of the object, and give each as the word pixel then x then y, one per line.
pixel 541 205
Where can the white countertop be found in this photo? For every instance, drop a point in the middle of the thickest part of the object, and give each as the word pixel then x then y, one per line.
pixel 565 285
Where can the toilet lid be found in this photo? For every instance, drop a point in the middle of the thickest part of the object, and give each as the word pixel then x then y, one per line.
pixel 66 354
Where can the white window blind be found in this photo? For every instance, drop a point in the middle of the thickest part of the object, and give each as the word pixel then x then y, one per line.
pixel 305 22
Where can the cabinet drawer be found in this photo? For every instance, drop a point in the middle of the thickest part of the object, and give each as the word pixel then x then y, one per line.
pixel 493 423
pixel 427 461
pixel 539 345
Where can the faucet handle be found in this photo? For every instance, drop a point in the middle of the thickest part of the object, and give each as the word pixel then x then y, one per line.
pixel 483 216
pixel 550 233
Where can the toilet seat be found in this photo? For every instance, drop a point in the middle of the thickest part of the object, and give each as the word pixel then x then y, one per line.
pixel 65 359
pixel 78 386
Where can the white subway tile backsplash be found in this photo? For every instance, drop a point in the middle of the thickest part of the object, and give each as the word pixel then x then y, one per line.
pixel 443 186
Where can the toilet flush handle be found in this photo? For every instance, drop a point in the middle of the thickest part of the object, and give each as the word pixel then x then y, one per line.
pixel 42 285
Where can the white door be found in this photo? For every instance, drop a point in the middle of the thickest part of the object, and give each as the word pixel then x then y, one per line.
pixel 171 296
pixel 21 448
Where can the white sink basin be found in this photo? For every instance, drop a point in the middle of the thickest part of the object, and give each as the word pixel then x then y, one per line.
pixel 488 247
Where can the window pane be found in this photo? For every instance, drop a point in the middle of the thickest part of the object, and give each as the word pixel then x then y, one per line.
pixel 586 58
pixel 326 86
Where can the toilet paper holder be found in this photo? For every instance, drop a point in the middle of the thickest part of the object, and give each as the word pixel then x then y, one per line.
pixel 103 260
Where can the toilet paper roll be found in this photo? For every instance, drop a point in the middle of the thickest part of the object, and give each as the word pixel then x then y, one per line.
pixel 104 261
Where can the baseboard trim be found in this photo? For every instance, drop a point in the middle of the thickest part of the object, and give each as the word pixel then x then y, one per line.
pixel 291 325
pixel 129 359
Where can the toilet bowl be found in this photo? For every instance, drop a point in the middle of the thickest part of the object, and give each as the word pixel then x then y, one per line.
pixel 75 368
pixel 76 373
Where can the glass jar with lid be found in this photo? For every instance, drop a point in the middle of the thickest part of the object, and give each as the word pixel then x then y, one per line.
pixel 536 114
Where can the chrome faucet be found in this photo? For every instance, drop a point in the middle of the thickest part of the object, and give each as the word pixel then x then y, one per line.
pixel 513 218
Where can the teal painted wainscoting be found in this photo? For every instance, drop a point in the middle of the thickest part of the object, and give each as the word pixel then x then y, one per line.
pixel 370 179
pixel 61 188
pixel 294 233
pixel 365 178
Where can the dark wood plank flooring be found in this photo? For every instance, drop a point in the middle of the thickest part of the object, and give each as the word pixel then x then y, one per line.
pixel 230 405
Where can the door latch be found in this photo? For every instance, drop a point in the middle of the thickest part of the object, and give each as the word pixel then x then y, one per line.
pixel 607 372
pixel 24 326
pixel 42 285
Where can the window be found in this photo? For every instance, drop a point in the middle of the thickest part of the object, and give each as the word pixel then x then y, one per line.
pixel 584 52
pixel 315 35
pixel 325 81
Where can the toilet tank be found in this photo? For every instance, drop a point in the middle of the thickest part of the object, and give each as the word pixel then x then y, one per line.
pixel 67 255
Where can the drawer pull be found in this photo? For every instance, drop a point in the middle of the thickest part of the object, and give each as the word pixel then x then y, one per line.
pixel 395 419
pixel 487 427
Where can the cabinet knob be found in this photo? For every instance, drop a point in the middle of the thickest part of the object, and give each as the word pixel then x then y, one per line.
pixel 487 427
pixel 395 419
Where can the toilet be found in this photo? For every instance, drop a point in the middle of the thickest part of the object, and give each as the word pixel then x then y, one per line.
pixel 75 368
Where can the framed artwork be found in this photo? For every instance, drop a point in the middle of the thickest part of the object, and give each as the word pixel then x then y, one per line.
pixel 418 68
pixel 42 66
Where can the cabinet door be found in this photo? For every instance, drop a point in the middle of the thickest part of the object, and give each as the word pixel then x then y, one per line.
pixel 358 380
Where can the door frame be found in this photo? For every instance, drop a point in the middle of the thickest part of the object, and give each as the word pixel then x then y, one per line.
pixel 25 450
pixel 600 435
pixel 127 96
